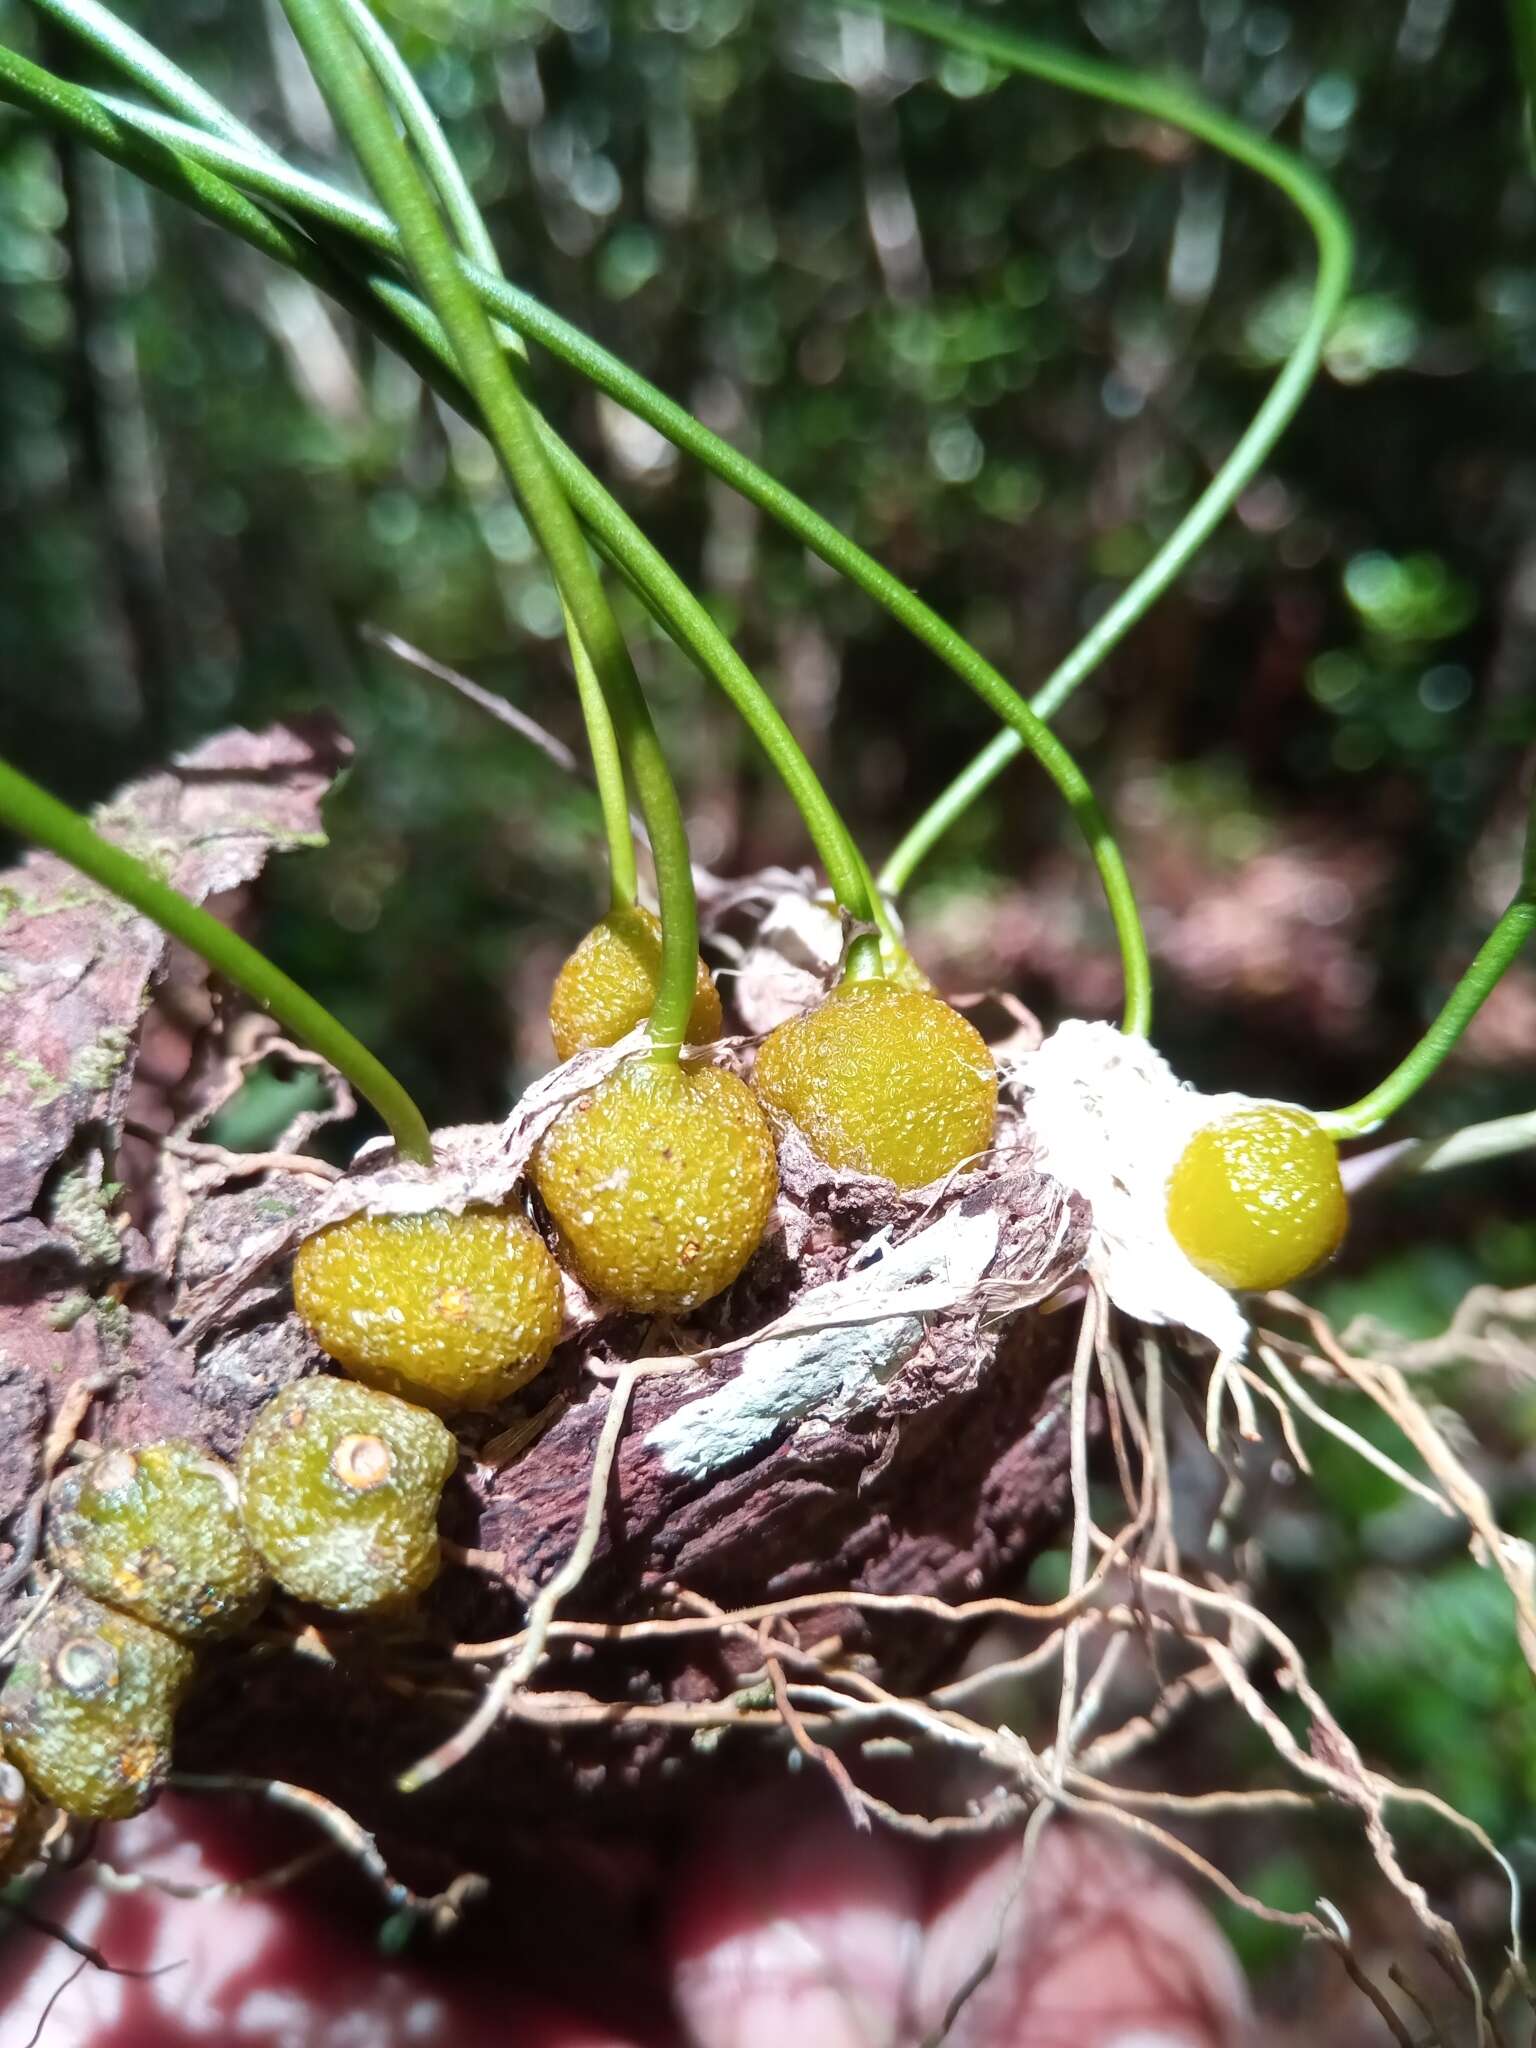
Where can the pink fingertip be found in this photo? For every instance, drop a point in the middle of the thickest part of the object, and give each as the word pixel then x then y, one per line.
pixel 1102 1948
pixel 266 1971
pixel 800 1932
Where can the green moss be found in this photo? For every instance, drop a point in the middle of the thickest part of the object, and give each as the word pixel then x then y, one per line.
pixel 114 1320
pixel 156 1531
pixel 339 1491
pixel 88 1708
pixel 45 1087
pixel 69 896
pixel 96 1066
pixel 68 1309
pixel 82 1208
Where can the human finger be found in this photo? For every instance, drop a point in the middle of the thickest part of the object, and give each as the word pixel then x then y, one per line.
pixel 1085 1943
pixel 794 1927
pixel 270 1969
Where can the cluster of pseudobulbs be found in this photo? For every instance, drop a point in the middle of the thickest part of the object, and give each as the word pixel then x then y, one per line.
pixel 658 1181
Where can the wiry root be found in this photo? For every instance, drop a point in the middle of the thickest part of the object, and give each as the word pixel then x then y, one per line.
pixel 441 1911
pixel 1143 1633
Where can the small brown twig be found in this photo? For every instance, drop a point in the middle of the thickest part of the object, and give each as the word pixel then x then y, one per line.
pixel 34 1614
pixel 440 1909
pixel 806 1743
pixel 111 1879
pixel 234 1165
pixel 488 701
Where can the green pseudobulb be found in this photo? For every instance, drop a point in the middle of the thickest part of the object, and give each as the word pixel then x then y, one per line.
pixel 1256 1199
pixel 87 1709
pixel 156 1531
pixel 339 1490
pixel 609 983
pixel 883 1080
pixel 661 1180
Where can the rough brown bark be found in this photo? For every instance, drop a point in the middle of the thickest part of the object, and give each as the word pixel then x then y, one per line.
pixel 942 1472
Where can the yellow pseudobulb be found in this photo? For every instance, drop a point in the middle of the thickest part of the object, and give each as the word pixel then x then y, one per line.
pixel 608 985
pixel 883 1080
pixel 660 1180
pixel 1256 1200
pixel 449 1311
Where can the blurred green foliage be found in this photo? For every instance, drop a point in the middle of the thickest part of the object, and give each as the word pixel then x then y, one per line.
pixel 1001 335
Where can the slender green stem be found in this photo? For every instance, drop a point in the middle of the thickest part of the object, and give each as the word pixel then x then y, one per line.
pixel 353 95
pixel 474 238
pixel 421 125
pixel 134 139
pixel 607 771
pixel 689 624
pixel 266 172
pixel 687 621
pixel 1180 108
pixel 1492 960
pixel 681 614
pixel 588 358
pixel 38 816
pixel 27 85
pixel 129 52
pixel 232 142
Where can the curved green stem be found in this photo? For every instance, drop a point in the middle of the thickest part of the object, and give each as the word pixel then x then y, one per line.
pixel 681 614
pixel 687 621
pixel 1331 232
pixel 353 95
pixel 31 811
pixel 26 85
pixel 127 51
pixel 421 125
pixel 588 358
pixel 1493 958
pixel 474 238
pixel 155 74
pixel 607 772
